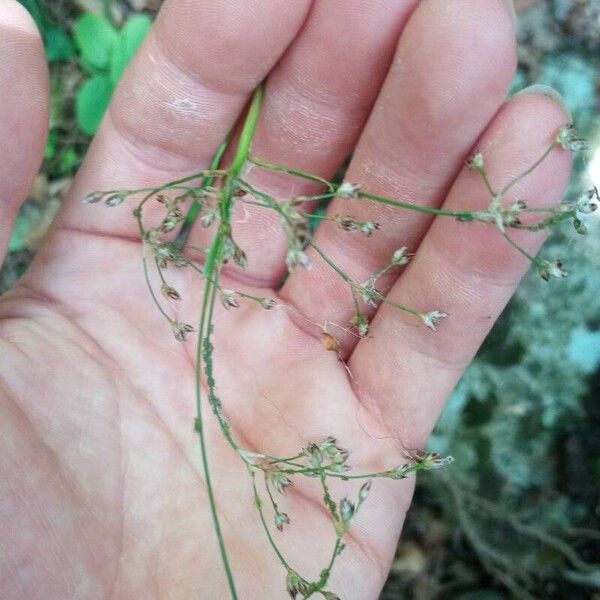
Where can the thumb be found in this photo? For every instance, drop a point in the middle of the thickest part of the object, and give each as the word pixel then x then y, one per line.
pixel 23 111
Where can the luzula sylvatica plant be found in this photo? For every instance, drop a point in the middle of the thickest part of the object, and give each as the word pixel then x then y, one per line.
pixel 208 198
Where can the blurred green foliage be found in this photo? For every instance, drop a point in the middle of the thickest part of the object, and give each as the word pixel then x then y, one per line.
pixel 104 53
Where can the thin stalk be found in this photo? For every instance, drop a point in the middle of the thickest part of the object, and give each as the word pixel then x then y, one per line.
pixel 290 171
pixel 524 174
pixel 357 286
pixel 463 215
pixel 258 502
pixel 208 301
pixel 196 207
pixel 211 271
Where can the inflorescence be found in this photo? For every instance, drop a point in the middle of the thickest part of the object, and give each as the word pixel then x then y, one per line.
pixel 209 197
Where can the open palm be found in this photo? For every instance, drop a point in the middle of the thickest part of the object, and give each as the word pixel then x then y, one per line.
pixel 101 489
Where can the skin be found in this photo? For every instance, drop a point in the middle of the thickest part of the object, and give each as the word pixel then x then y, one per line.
pixel 102 494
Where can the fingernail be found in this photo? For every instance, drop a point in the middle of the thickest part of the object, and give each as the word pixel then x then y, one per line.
pixel 545 90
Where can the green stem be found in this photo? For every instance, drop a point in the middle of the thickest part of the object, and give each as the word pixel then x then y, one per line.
pixel 258 502
pixel 211 274
pixel 356 286
pixel 524 174
pixel 463 215
pixel 207 303
pixel 290 171
pixel 196 207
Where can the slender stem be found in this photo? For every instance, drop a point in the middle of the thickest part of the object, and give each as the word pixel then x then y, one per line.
pixel 211 271
pixel 151 289
pixel 464 215
pixel 205 322
pixel 195 208
pixel 526 254
pixel 486 181
pixel 357 286
pixel 258 502
pixel 290 171
pixel 524 174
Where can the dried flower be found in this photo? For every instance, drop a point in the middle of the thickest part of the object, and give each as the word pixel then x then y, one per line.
pixel 169 292
pixel 294 584
pixel 115 199
pixel 208 218
pixel 364 491
pixel 432 318
pixel 280 481
pixel 281 519
pixel 166 252
pixel 360 322
pixel 267 303
pixel 369 293
pixel 369 227
pixel 587 210
pixel 314 455
pixel 348 190
pixel 180 330
pixel 347 511
pixel 346 222
pixel 428 461
pixel 435 461
pixel 228 299
pixel 296 256
pixel 399 258
pixel 476 162
pixel 568 139
pixel 170 222
pixel 94 197
pixel 232 251
pixel 548 269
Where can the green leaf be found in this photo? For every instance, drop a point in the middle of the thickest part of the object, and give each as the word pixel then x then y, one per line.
pixel 92 102
pixel 35 11
pixel 95 37
pixel 130 39
pixel 58 44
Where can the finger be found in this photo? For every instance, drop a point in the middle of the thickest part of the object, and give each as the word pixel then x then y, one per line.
pixel 23 110
pixel 179 98
pixel 466 271
pixel 451 72
pixel 316 103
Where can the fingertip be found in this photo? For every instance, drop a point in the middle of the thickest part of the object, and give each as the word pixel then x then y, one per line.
pixel 24 85
pixel 554 99
pixel 15 16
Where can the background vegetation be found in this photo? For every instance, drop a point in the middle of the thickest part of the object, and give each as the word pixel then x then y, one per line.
pixel 517 515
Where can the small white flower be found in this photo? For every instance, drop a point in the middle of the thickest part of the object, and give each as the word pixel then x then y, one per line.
pixel 297 257
pixel 432 318
pixel 588 206
pixel 348 190
pixel 568 139
pixel 399 258
pixel 228 299
pixel 552 268
pixel 476 162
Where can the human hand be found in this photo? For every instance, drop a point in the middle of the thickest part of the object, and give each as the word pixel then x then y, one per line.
pixel 102 493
